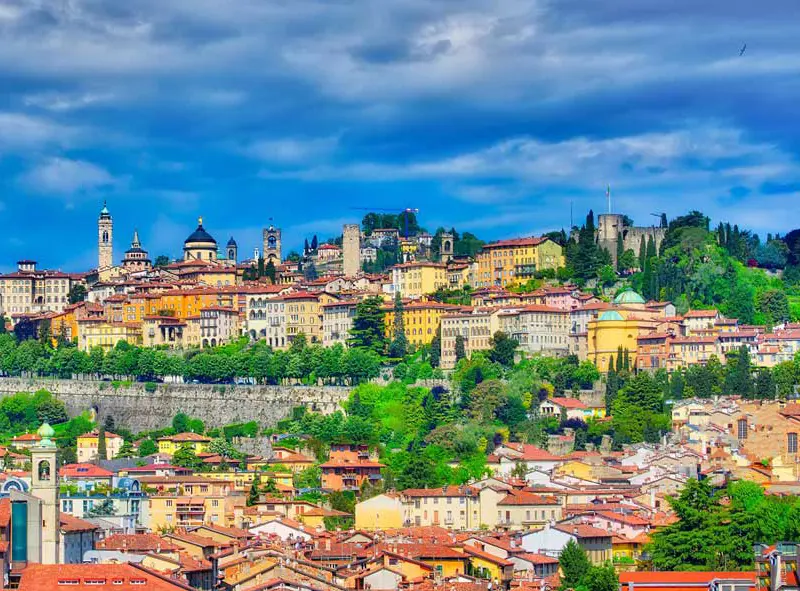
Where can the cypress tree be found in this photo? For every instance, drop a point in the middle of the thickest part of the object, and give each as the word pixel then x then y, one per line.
pixel 461 351
pixel 619 359
pixel 642 253
pixel 101 445
pixel 620 248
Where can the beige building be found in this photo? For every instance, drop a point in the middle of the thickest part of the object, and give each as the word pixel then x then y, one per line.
pixel 164 331
pixel 102 333
pixel 476 328
pixel 218 325
pixel 451 507
pixel 32 291
pixel 337 320
pixel 304 315
pixel 537 329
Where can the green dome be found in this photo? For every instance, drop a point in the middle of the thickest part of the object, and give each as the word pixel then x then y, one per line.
pixel 46 432
pixel 628 297
pixel 609 315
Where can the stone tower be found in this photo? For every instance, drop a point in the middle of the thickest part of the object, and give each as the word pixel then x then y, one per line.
pixel 446 249
pixel 44 486
pixel 351 250
pixel 231 250
pixel 105 239
pixel 271 248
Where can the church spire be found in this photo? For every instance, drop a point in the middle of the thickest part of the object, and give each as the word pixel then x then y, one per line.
pixel 135 243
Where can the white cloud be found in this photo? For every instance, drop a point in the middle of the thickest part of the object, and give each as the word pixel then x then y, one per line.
pixel 20 132
pixel 65 102
pixel 62 176
pixel 289 151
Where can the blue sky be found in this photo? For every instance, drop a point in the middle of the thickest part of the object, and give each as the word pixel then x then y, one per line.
pixel 489 115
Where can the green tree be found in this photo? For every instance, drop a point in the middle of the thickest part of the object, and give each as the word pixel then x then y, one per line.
pixel 436 348
pixel 180 422
pixel 367 331
pixel 461 352
pixel 418 473
pixel 502 349
pixel 574 565
pixel 102 451
pixel 162 260
pixel 774 305
pixel 601 578
pixel 147 447
pixel 186 457
pixel 269 271
pixel 399 345
pixel 254 494
pixel 739 378
pixel 125 450
pixel 77 293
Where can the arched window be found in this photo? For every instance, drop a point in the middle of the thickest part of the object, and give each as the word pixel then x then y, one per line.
pixel 105 237
pixel 44 470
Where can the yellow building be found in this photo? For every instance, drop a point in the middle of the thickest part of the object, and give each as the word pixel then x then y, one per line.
pixel 170 511
pixel 242 480
pixel 420 320
pixel 384 511
pixel 64 324
pixel 304 314
pixel 88 444
pixel 414 280
pixel 101 333
pixel 172 443
pixel 618 327
pixel 507 262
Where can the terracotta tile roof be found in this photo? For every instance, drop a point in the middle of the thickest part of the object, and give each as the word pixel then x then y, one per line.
pixel 141 543
pixel 444 491
pixel 26 437
pixel 5 512
pixel 526 498
pixel 186 437
pixel 73 524
pixel 84 471
pixel 473 551
pixel 77 577
pixel 570 403
pixel 582 530
pixel 536 558
pixel 96 433
pixel 514 242
pixel 532 453
pixel 423 551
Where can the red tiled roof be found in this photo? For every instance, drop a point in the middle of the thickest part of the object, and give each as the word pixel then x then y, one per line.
pixel 73 524
pixel 84 471
pixel 582 530
pixel 142 543
pixel 77 577
pixel 444 491
pixel 526 498
pixel 572 403
pixel 5 512
pixel 185 437
pixel 512 242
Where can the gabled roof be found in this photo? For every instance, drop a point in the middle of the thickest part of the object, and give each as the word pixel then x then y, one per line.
pixel 84 471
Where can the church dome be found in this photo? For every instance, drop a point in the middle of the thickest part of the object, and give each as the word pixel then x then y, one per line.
pixel 609 316
pixel 231 242
pixel 200 235
pixel 628 297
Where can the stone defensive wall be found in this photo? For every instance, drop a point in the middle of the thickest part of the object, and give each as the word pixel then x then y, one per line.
pixel 133 407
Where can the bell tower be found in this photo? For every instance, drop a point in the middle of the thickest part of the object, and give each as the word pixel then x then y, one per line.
pixel 271 247
pixel 44 486
pixel 105 239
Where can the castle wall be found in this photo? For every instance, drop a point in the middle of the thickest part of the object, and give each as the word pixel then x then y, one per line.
pixel 138 410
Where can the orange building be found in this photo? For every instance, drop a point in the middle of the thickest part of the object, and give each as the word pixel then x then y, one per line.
pixel 348 467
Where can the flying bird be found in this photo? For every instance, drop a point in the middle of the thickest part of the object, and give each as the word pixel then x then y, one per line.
pixel 742 50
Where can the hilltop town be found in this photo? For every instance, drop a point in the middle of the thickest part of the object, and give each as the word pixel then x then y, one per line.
pixel 604 408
